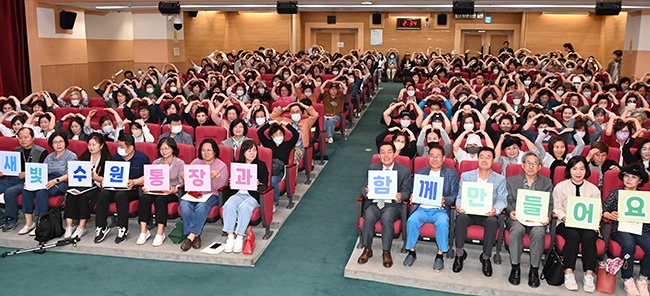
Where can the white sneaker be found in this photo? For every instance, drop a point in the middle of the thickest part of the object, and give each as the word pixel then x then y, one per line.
pixel 230 244
pixel 158 240
pixel 239 244
pixel 69 230
pixel 27 229
pixel 642 285
pixel 570 282
pixel 330 140
pixel 630 287
pixel 79 232
pixel 142 239
pixel 589 285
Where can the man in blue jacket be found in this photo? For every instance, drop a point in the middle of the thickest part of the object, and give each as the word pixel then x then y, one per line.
pixel 439 216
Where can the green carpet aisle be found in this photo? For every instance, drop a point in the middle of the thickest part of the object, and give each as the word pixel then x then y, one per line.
pixel 306 258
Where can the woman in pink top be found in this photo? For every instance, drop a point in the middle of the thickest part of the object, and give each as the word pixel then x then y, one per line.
pixel 195 213
pixel 286 95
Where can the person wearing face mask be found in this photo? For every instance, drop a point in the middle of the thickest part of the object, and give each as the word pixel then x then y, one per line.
pixel 78 97
pixel 619 130
pixel 263 93
pixel 296 120
pixel 176 131
pixel 402 138
pixel 392 56
pixel 472 145
pixel 239 92
pixel 141 132
pixel 281 150
pixel 405 118
pixel 257 115
pixel 125 152
pixel 106 124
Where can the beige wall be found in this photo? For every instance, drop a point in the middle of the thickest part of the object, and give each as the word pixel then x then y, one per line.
pixel 85 62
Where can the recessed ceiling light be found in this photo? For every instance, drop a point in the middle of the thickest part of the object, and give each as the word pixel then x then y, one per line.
pixel 366 3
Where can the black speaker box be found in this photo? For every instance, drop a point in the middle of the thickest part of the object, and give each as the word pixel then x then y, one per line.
pixel 169 7
pixel 331 19
pixel 463 7
pixel 193 13
pixel 608 8
pixel 66 19
pixel 290 7
pixel 442 19
pixel 376 18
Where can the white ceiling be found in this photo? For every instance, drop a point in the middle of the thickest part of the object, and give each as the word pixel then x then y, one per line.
pixel 346 5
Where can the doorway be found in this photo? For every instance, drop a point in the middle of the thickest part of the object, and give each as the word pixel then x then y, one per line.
pixel 336 40
pixel 485 41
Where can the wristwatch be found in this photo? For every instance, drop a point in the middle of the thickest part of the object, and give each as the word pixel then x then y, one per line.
pixel 57 180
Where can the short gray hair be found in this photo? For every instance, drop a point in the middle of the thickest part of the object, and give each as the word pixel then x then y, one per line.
pixel 532 153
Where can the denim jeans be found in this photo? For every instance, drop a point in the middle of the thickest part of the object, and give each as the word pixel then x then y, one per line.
pixel 11 186
pixel 628 244
pixel 330 125
pixel 239 208
pixel 195 213
pixel 42 197
pixel 275 181
pixel 439 218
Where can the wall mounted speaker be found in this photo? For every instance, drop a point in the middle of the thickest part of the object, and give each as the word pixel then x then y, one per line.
pixel 290 7
pixel 193 13
pixel 608 8
pixel 463 7
pixel 66 19
pixel 169 7
pixel 442 19
pixel 376 18
pixel 331 19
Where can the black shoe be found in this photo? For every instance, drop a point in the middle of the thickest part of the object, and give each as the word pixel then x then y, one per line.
pixel 533 278
pixel 515 276
pixel 486 266
pixel 122 232
pixel 101 233
pixel 410 258
pixel 458 262
pixel 10 225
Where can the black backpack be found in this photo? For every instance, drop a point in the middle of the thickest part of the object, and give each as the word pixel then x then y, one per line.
pixel 49 225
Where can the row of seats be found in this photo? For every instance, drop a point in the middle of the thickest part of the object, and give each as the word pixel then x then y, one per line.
pixel 475 232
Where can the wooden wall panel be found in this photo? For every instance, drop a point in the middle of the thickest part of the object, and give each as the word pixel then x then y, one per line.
pixel 613 32
pixel 249 31
pixel 406 40
pixel 150 51
pixel 109 50
pixel 97 71
pixel 203 34
pixel 58 51
pixel 549 32
pixel 56 78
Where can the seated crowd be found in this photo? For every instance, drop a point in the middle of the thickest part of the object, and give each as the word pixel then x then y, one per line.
pixel 539 111
pixel 559 120
pixel 240 103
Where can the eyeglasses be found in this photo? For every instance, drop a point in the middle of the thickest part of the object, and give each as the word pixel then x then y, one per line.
pixel 528 163
pixel 58 142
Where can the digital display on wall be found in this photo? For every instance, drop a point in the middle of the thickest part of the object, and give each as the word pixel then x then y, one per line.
pixel 409 23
